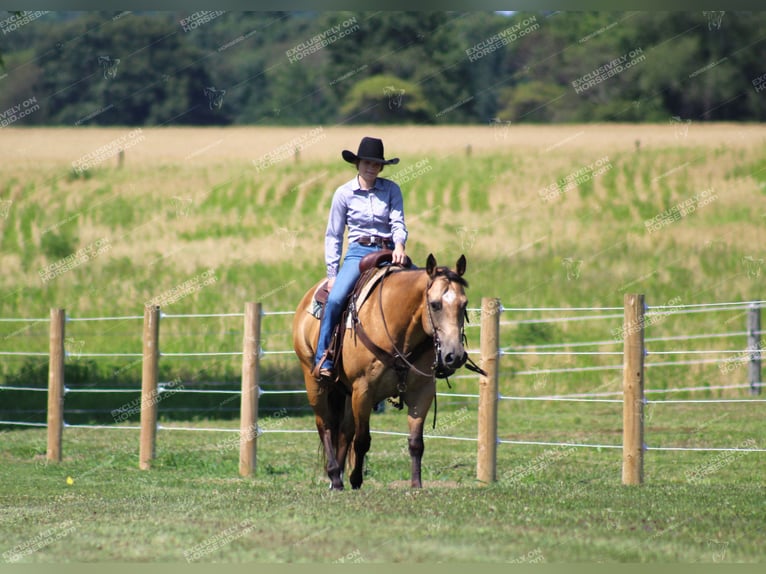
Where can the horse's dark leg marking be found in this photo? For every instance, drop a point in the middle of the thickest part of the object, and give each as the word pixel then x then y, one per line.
pixel 361 447
pixel 418 403
pixel 362 407
pixel 417 447
pixel 333 468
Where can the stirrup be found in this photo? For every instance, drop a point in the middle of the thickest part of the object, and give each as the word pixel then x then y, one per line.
pixel 320 373
pixel 326 375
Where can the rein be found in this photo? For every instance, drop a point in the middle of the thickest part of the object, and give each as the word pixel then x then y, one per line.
pixel 399 354
pixel 397 360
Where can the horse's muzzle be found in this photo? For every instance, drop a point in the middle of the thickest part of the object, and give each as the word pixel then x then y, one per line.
pixel 447 364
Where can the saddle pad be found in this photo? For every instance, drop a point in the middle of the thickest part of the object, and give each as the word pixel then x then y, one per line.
pixel 315 307
pixel 370 284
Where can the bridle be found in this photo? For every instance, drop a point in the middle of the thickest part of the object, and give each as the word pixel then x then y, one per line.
pixel 438 370
pixel 402 363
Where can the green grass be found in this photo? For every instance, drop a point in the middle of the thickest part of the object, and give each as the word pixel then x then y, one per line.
pixel 550 504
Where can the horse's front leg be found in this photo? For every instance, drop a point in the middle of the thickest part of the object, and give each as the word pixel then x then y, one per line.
pixel 418 402
pixel 329 409
pixel 417 446
pixel 345 436
pixel 361 406
pixel 334 470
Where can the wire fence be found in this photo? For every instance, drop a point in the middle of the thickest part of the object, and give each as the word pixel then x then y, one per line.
pixel 750 354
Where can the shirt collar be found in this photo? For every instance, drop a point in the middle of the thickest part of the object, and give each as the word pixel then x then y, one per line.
pixel 377 186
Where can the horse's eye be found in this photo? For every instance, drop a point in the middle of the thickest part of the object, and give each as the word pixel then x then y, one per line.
pixel 436 305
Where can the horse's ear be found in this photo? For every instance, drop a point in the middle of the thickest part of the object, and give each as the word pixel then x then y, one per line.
pixel 461 265
pixel 431 264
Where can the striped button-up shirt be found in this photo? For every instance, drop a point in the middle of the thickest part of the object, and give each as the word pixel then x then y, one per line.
pixel 378 211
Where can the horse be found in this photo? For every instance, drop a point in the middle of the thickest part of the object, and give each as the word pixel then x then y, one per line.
pixel 407 333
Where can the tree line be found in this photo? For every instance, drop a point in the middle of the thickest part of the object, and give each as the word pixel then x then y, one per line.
pixel 290 68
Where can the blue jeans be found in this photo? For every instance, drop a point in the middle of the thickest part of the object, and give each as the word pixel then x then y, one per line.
pixel 344 283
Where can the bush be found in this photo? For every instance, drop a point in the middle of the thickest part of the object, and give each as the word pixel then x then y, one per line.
pixel 56 246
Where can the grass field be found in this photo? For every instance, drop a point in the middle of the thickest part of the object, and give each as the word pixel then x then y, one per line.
pixel 548 216
pixel 550 504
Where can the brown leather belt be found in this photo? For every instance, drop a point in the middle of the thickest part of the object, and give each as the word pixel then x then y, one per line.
pixel 374 241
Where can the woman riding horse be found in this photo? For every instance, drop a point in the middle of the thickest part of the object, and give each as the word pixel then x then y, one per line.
pixel 407 333
pixel 373 210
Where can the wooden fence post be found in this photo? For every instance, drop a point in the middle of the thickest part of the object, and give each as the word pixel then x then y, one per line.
pixel 248 425
pixel 56 385
pixel 149 377
pixel 633 391
pixel 486 460
pixel 754 344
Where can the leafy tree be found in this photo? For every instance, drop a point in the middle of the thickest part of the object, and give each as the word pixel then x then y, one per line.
pixel 693 68
pixel 529 101
pixel 135 71
pixel 387 99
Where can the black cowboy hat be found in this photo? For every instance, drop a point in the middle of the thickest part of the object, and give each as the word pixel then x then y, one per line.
pixel 370 149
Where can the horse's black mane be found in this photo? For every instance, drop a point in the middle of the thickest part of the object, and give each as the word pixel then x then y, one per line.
pixel 444 272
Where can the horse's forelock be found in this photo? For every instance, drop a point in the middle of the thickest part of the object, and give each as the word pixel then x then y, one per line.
pixel 450 275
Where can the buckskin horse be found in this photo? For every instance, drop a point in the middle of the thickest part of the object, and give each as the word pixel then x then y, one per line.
pixel 407 333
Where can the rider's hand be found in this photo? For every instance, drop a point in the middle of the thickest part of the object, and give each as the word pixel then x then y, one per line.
pixel 399 256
